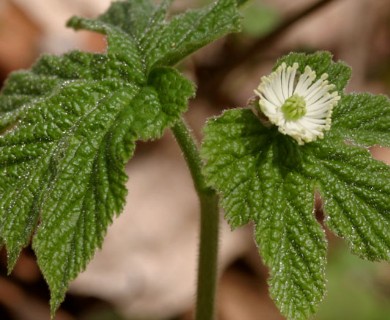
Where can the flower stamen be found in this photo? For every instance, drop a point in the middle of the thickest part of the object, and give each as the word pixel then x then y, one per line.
pixel 299 104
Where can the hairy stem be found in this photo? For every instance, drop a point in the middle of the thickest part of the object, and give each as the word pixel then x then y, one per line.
pixel 209 224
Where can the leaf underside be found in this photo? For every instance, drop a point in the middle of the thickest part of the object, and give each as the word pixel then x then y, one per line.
pixel 265 177
pixel 69 125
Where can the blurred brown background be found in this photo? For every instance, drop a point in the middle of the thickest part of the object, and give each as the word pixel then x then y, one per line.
pixel 147 267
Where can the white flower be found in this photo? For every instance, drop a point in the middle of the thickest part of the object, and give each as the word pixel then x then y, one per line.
pixel 299 104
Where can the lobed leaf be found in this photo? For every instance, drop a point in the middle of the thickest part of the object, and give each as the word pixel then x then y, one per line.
pixel 253 169
pixel 69 125
pixel 63 163
pixel 266 177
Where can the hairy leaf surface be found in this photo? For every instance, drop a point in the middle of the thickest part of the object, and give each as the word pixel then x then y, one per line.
pixel 69 125
pixel 363 119
pixel 138 24
pixel 356 194
pixel 266 177
pixel 245 164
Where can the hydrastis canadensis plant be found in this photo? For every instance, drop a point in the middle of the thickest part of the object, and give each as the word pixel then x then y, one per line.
pixel 70 123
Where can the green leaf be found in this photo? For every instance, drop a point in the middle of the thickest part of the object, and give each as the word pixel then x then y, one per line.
pixel 69 125
pixel 259 178
pixel 321 62
pixel 266 177
pixel 63 163
pixel 356 195
pixel 363 119
pixel 161 42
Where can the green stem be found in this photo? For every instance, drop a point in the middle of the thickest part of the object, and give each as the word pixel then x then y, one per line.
pixel 209 224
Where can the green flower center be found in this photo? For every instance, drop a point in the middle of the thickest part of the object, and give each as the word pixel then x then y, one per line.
pixel 294 108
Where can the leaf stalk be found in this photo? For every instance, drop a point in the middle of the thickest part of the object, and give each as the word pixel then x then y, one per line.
pixel 209 224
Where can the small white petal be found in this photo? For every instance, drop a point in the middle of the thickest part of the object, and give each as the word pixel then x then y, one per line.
pixel 304 81
pixel 292 72
pixel 313 94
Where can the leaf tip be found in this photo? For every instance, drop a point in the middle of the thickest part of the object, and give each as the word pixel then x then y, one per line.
pixel 74 23
pixel 12 258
